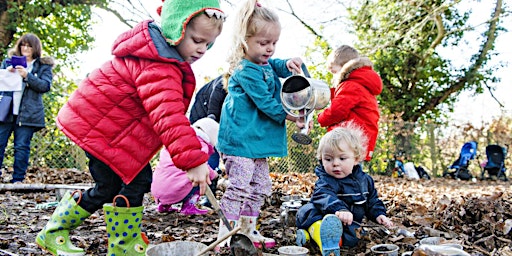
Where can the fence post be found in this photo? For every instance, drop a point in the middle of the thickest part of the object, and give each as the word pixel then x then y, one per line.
pixel 433 151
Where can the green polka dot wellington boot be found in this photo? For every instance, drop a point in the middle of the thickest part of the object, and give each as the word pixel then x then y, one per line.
pixel 124 230
pixel 68 215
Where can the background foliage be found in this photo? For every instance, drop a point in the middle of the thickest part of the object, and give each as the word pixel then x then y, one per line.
pixel 404 39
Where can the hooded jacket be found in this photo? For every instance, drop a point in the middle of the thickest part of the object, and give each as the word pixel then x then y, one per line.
pixel 354 99
pixel 355 193
pixel 208 100
pixel 123 112
pixel 252 123
pixel 170 184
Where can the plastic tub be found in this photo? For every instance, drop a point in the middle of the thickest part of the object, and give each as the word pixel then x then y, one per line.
pixel 432 240
pixel 443 250
pixel 293 251
pixel 177 248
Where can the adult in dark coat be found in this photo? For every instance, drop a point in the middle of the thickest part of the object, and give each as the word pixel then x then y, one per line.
pixel 27 115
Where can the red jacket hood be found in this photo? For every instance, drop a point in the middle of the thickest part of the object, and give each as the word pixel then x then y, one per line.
pixel 126 110
pixel 360 70
pixel 144 41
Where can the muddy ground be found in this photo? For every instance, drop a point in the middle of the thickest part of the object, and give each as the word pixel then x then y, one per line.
pixel 477 215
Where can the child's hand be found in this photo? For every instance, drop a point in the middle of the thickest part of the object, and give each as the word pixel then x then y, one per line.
pixel 200 176
pixel 385 221
pixel 346 217
pixel 294 65
pixel 299 122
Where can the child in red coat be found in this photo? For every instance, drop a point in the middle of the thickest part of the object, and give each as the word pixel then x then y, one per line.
pixel 354 98
pixel 123 113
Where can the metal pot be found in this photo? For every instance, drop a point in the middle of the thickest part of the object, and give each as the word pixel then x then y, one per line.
pixel 289 212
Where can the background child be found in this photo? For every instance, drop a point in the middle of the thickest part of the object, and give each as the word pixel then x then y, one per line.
pixel 252 124
pixel 357 86
pixel 124 112
pixel 399 170
pixel 208 103
pixel 343 193
pixel 170 184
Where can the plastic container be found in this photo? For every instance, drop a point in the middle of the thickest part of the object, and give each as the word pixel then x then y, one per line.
pixel 385 250
pixel 439 241
pixel 177 248
pixel 443 250
pixel 293 251
pixel 432 240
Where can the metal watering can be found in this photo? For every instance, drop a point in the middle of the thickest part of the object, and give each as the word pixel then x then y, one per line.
pixel 300 96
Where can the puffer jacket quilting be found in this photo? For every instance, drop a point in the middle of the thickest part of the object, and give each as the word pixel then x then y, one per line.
pixel 123 112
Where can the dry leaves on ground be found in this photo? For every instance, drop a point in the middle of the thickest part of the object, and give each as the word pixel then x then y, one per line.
pixel 475 214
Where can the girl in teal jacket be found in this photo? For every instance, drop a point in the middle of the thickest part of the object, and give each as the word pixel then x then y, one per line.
pixel 252 124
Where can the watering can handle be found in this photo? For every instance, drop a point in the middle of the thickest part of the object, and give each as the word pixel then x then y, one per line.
pixel 305 70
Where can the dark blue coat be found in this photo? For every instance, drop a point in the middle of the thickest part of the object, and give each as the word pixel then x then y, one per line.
pixel 37 82
pixel 208 101
pixel 355 193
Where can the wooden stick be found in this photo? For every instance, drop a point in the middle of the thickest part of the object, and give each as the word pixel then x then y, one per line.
pixel 8 253
pixel 211 246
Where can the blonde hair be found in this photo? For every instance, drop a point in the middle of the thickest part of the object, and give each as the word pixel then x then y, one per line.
pixel 350 133
pixel 250 19
pixel 343 54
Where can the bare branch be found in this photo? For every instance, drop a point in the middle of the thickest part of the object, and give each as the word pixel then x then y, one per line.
pixel 472 71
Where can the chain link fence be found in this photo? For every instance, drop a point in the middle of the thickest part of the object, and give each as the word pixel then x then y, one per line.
pixel 431 146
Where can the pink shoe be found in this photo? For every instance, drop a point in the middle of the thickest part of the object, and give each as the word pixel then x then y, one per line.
pixel 189 206
pixel 191 209
pixel 166 208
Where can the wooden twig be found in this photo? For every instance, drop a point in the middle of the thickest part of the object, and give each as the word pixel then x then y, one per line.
pixel 22 186
pixel 7 253
pixel 480 249
pixel 506 241
pixel 483 239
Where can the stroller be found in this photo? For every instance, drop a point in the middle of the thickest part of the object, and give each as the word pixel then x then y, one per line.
pixel 495 166
pixel 467 153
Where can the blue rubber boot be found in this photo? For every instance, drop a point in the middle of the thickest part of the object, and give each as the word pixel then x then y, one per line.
pixel 327 234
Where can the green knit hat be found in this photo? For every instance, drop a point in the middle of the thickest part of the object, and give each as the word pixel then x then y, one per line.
pixel 176 15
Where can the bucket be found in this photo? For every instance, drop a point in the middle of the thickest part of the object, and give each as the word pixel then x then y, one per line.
pixel 385 250
pixel 293 251
pixel 177 248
